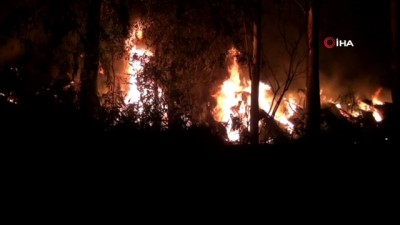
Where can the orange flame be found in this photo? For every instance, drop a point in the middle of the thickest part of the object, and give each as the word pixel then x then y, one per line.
pixel 377 115
pixel 368 108
pixel 376 96
pixel 233 102
pixel 137 58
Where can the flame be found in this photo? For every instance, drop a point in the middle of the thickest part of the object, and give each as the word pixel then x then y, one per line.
pixel 139 31
pixel 234 98
pixel 361 106
pixel 376 96
pixel 135 67
pixel 137 58
pixel 377 116
pixel 370 108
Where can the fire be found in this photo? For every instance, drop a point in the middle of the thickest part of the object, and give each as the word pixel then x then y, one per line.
pixel 135 67
pixel 377 116
pixel 362 106
pixel 139 31
pixel 142 92
pixel 137 58
pixel 376 96
pixel 233 102
pixel 370 108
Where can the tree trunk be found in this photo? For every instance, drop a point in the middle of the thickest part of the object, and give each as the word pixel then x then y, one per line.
pixel 255 76
pixel 395 76
pixel 89 100
pixel 313 104
pixel 172 93
pixel 171 97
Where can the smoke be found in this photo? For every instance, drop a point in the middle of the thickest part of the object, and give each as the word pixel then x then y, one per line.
pixel 334 86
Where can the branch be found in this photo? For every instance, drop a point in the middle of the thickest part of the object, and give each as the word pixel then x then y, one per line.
pixel 302 8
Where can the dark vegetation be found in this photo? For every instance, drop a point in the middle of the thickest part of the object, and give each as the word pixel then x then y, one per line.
pixel 45 114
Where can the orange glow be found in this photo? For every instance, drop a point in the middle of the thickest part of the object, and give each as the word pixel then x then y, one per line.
pixel 376 96
pixel 134 68
pixel 234 98
pixel 137 58
pixel 377 116
pixel 370 108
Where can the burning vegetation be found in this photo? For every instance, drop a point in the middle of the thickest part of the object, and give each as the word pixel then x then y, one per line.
pixel 233 101
pixel 176 72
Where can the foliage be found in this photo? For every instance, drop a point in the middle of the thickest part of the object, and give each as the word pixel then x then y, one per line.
pixel 190 41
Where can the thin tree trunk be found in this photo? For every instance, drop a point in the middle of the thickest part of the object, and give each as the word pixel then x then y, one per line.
pixel 89 100
pixel 313 104
pixel 173 73
pixel 255 78
pixel 395 76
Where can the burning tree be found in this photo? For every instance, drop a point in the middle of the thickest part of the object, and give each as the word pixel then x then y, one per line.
pixel 313 104
pixel 188 47
pixel 144 100
pixel 281 75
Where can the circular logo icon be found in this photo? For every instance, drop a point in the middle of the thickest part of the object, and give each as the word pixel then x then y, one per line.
pixel 329 42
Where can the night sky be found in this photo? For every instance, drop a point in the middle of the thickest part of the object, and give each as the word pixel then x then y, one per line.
pixel 367 24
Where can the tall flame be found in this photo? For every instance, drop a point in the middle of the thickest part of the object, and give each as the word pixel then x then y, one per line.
pixel 376 96
pixel 137 58
pixel 234 98
pixel 143 92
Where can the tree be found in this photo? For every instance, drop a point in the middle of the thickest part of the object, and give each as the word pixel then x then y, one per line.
pixel 255 72
pixel 189 46
pixel 89 100
pixel 107 27
pixel 68 39
pixel 292 59
pixel 313 104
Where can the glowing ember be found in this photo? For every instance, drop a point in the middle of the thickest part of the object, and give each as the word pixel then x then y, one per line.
pixel 233 102
pixel 360 106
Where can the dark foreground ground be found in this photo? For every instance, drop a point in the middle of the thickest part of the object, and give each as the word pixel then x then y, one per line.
pixel 56 141
pixel 58 166
pixel 42 131
pixel 54 163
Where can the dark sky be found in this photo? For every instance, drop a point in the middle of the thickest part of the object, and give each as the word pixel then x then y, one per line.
pixel 367 24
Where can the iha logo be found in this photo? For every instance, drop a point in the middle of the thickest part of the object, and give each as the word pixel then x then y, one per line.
pixel 331 42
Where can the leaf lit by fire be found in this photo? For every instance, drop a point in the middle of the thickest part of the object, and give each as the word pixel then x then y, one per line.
pixel 137 93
